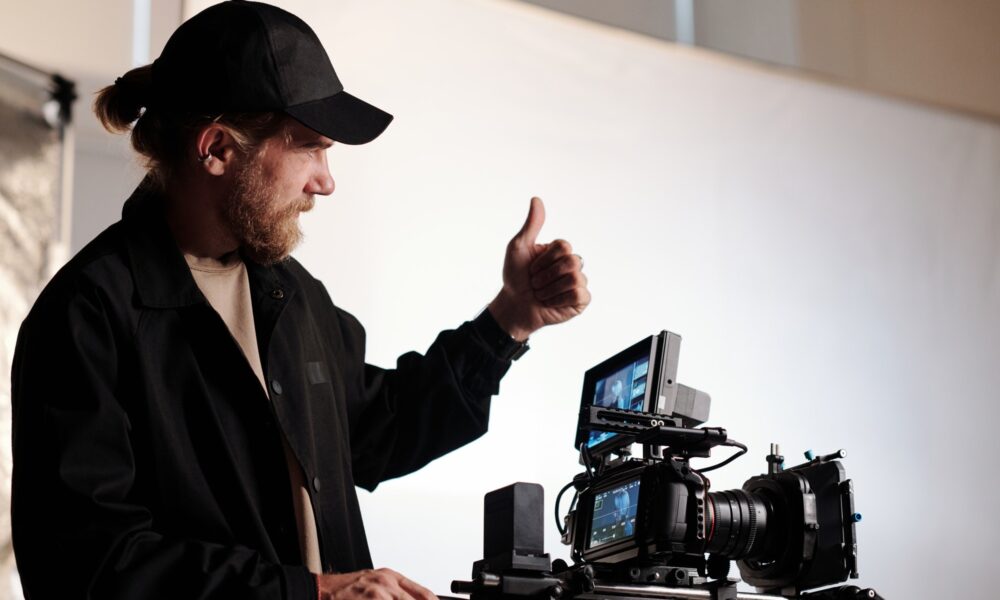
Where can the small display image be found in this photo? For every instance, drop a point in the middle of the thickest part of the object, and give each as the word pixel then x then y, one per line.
pixel 622 389
pixel 614 514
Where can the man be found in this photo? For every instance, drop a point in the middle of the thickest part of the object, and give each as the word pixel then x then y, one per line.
pixel 191 411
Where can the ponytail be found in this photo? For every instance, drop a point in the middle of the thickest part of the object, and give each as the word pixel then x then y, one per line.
pixel 119 105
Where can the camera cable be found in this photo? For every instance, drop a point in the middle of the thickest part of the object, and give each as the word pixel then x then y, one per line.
pixel 734 443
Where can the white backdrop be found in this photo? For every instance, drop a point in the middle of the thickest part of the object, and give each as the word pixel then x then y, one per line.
pixel 830 257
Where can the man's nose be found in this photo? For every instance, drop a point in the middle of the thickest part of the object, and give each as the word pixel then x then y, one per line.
pixel 321 182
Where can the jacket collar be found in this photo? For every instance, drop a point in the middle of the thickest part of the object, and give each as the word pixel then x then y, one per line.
pixel 162 276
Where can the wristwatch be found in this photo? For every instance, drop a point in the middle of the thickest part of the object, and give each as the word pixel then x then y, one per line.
pixel 498 340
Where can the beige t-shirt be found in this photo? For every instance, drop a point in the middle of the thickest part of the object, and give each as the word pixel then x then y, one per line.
pixel 226 285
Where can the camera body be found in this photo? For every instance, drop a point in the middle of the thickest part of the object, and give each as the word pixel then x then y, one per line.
pixel 640 509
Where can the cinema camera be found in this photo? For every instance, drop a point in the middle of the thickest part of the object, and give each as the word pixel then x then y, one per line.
pixel 649 527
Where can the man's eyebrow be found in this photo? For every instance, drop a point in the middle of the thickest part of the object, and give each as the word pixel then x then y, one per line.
pixel 320 143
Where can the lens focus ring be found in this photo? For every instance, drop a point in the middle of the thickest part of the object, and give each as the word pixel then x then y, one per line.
pixel 739 521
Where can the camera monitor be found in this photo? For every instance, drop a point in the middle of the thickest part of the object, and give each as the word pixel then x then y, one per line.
pixel 641 379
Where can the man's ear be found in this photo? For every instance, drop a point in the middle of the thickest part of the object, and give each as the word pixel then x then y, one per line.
pixel 216 149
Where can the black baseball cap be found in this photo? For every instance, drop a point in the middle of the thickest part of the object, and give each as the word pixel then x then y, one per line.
pixel 241 56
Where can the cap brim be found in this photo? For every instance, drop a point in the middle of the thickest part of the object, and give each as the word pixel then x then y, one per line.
pixel 342 118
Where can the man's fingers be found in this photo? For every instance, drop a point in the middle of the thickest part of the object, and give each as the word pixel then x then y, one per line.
pixel 372 584
pixel 533 224
pixel 578 298
pixel 562 266
pixel 566 283
pixel 403 588
pixel 555 251
pixel 380 584
pixel 365 590
pixel 416 590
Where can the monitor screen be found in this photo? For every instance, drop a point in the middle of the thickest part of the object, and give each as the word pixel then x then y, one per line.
pixel 614 514
pixel 624 388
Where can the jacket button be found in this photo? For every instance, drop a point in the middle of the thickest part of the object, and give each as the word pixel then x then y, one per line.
pixel 316 484
pixel 277 293
pixel 276 386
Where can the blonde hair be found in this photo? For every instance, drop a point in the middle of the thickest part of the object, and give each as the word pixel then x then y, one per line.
pixel 163 137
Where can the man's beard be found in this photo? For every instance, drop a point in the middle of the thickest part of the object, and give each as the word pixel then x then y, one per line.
pixel 266 232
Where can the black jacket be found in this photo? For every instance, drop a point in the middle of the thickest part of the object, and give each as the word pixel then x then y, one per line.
pixel 148 461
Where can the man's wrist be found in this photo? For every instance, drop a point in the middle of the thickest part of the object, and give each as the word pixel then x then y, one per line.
pixel 496 338
pixel 503 315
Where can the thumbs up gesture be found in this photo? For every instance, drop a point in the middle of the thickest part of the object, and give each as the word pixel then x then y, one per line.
pixel 543 284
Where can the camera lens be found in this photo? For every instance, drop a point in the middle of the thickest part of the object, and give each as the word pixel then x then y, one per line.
pixel 738 524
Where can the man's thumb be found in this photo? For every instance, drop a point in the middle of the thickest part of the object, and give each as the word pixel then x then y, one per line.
pixel 533 224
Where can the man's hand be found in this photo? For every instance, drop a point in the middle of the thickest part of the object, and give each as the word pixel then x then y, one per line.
pixel 543 284
pixel 378 584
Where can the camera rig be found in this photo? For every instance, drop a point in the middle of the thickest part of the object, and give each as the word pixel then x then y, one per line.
pixel 650 527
